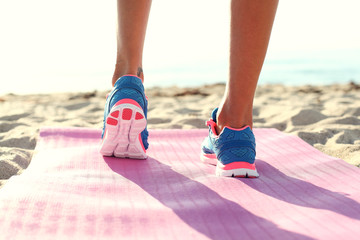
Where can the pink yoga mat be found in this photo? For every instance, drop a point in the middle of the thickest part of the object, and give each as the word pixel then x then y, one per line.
pixel 70 191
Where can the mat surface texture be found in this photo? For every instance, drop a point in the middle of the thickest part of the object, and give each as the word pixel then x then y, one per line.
pixel 70 191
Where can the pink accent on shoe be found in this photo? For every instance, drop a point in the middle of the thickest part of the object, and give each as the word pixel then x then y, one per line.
pixel 115 114
pixel 112 121
pixel 212 125
pixel 127 100
pixel 141 143
pixel 138 116
pixel 210 155
pixel 238 129
pixel 237 165
pixel 126 114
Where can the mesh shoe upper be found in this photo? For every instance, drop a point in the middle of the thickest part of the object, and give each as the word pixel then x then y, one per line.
pixel 231 145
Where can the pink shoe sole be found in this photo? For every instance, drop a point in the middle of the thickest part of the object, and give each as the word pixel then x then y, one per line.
pixel 236 169
pixel 122 136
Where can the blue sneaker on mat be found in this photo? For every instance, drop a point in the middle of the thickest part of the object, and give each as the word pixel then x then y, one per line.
pixel 232 151
pixel 125 119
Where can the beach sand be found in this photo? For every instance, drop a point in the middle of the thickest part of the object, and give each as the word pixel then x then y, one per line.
pixel 326 117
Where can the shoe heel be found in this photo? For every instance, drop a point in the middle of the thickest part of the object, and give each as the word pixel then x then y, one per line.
pixel 123 128
pixel 238 169
pixel 132 123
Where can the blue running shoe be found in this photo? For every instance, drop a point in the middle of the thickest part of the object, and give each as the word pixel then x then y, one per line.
pixel 232 151
pixel 125 119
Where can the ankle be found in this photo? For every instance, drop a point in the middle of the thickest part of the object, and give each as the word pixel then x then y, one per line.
pixel 122 69
pixel 234 118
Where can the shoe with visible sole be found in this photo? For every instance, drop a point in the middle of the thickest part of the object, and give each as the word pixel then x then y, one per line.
pixel 125 118
pixel 232 151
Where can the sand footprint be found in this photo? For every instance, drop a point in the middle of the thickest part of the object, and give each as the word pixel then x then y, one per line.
pixel 193 122
pixel 307 116
pixel 14 117
pixel 353 111
pixel 348 137
pixel 76 106
pixel 25 142
pixel 316 137
pixel 7 169
pixel 186 111
pixel 7 126
pixel 158 120
pixel 348 120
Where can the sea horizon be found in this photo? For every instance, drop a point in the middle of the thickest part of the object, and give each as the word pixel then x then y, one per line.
pixel 291 68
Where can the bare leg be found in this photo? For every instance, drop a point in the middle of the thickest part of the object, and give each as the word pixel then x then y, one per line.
pixel 251 24
pixel 132 21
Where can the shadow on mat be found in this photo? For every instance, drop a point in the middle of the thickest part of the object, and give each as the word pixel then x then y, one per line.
pixel 301 193
pixel 197 205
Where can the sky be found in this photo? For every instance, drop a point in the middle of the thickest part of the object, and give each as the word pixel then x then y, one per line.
pixel 55 46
